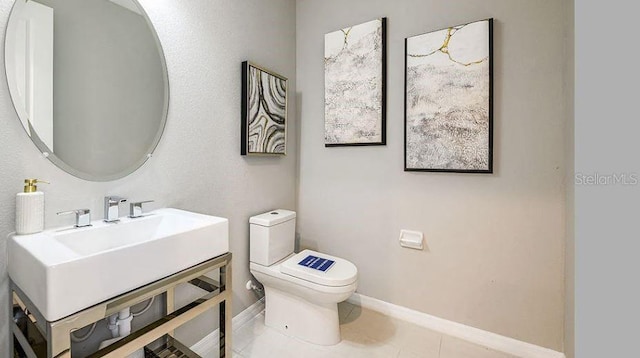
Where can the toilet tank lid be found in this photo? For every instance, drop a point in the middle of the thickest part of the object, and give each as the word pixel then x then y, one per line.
pixel 273 217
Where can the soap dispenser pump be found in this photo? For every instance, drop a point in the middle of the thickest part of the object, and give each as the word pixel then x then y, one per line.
pixel 30 208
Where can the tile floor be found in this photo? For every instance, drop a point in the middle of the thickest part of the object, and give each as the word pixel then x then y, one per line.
pixel 365 333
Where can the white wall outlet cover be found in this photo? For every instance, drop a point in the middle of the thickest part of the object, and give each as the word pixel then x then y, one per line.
pixel 411 239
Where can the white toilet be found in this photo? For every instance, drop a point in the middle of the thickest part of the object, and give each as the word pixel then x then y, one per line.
pixel 302 290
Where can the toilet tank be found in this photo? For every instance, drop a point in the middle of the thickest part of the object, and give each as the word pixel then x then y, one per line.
pixel 271 236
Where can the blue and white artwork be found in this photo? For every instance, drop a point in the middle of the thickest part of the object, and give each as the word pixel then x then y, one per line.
pixel 448 99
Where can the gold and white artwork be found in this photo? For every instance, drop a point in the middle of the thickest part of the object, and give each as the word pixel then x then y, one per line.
pixel 448 99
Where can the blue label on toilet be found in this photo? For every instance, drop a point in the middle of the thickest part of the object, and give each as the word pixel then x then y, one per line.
pixel 316 263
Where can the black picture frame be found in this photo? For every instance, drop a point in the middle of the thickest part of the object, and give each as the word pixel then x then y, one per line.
pixel 490 164
pixel 383 133
pixel 267 141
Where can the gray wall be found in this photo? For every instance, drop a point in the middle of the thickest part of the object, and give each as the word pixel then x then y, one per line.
pixel 111 91
pixel 569 252
pixel 606 214
pixel 495 257
pixel 197 165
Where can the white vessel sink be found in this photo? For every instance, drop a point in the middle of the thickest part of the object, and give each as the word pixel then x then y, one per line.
pixel 63 271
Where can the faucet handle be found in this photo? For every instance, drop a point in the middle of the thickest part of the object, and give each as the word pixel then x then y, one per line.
pixel 111 208
pixel 83 216
pixel 135 208
pixel 115 199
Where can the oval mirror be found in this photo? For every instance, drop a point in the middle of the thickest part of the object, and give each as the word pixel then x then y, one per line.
pixel 89 82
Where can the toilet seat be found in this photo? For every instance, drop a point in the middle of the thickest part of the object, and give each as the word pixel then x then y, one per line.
pixel 340 273
pixel 297 286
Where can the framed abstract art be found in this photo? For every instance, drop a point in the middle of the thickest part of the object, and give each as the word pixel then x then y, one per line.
pixel 264 111
pixel 449 100
pixel 355 81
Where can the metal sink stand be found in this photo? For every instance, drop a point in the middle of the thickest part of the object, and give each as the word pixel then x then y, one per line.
pixel 56 335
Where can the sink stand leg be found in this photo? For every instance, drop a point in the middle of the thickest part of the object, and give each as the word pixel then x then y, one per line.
pixel 170 297
pixel 11 335
pixel 226 313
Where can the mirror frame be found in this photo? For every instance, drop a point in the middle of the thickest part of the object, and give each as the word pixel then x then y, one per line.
pixel 46 151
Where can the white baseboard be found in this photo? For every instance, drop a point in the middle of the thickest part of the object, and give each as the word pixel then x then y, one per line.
pixel 478 336
pixel 471 334
pixel 248 314
pixel 210 342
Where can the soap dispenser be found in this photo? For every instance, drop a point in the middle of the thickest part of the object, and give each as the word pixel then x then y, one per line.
pixel 30 208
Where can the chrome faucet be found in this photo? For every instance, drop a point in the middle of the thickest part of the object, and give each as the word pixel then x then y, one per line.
pixel 112 208
pixel 83 216
pixel 135 209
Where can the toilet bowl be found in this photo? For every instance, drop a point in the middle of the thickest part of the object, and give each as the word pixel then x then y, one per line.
pixel 302 290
